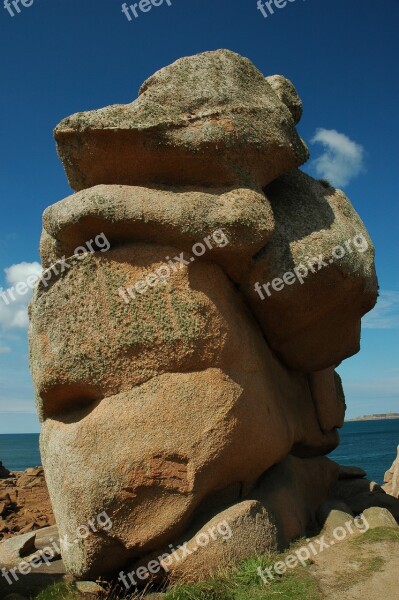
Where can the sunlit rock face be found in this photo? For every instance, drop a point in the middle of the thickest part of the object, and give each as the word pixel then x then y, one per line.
pixel 171 394
pixel 211 119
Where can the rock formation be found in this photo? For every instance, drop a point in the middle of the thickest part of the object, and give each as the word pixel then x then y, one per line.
pixel 172 395
pixel 4 473
pixel 24 503
pixel 354 494
pixel 391 479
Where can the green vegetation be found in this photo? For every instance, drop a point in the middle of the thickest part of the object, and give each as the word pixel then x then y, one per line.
pixel 58 591
pixel 381 534
pixel 245 583
pixel 242 583
pixel 367 566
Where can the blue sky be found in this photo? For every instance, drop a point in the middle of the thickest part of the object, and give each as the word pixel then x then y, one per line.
pixel 64 56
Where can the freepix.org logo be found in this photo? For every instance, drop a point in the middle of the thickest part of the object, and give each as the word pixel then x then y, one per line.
pixel 144 6
pixel 313 265
pixel 267 7
pixel 13 7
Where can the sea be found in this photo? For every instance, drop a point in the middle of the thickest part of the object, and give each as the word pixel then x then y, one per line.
pixel 371 445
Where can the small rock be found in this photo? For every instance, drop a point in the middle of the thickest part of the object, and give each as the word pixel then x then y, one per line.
pixel 351 472
pixel 336 518
pixel 90 589
pixel 361 502
pixel 348 488
pixel 379 517
pixel 332 505
pixel 27 528
pixel 12 550
pixel 3 526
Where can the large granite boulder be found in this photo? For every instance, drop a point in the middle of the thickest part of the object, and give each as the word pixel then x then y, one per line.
pixel 210 119
pixel 169 383
pixel 228 226
pixel 169 392
pixel 310 286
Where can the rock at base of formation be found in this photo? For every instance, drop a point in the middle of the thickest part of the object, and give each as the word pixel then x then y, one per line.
pixel 360 494
pixel 391 478
pixel 157 365
pixel 281 507
pixel 31 562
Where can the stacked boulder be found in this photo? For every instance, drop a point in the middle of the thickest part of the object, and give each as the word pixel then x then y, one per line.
pixel 173 396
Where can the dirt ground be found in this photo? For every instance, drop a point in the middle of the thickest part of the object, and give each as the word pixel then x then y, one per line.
pixel 364 568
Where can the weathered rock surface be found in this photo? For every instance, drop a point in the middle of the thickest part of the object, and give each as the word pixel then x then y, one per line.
pixel 379 517
pixel 332 506
pixel 236 223
pixel 337 518
pixel 308 324
pixel 329 399
pixel 361 494
pixel 247 530
pixel 288 95
pixel 12 550
pixel 191 340
pixel 90 590
pixel 282 506
pixel 210 119
pixel 171 395
pixel 391 478
pixel 30 563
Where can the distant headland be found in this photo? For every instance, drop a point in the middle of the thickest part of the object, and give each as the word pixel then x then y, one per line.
pixel 376 417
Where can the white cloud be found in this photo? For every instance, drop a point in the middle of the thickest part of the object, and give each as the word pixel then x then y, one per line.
pixel 386 313
pixel 21 272
pixel 342 159
pixel 14 306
